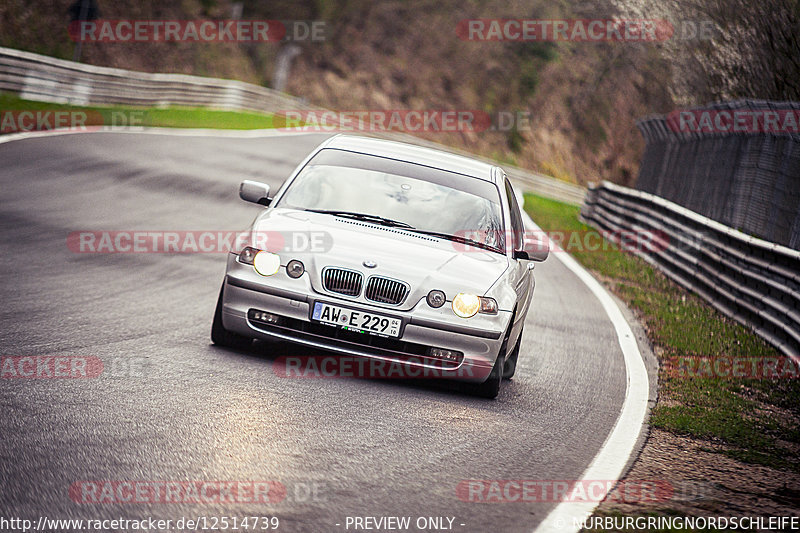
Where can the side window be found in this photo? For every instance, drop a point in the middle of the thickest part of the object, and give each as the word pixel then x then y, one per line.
pixel 517 226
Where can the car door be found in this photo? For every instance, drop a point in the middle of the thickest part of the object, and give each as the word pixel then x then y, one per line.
pixel 521 274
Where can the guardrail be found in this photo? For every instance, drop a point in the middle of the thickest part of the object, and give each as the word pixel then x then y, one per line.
pixel 43 78
pixel 753 281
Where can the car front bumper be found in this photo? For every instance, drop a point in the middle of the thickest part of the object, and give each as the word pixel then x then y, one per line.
pixel 244 292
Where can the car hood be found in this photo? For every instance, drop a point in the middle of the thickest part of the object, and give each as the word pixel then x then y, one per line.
pixel 424 262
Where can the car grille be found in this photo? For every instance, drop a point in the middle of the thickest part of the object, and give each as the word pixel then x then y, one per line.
pixel 342 281
pixel 385 290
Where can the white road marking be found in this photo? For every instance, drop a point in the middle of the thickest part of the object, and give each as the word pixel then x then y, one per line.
pixel 182 132
pixel 610 461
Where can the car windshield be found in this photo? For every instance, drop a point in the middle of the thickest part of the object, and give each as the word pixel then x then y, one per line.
pixel 426 199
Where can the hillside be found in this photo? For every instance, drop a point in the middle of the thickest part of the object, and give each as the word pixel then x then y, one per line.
pixel 582 97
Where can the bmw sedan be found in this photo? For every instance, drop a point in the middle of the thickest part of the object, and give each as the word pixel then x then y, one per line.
pixel 420 259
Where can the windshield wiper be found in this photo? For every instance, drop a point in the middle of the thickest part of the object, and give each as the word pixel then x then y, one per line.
pixel 398 224
pixel 459 239
pixel 383 221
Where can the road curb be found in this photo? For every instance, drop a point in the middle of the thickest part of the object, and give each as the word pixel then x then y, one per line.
pixel 627 437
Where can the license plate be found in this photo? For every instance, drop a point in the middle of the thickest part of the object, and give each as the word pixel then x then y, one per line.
pixel 360 321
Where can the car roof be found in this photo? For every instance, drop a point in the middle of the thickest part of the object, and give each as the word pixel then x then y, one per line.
pixel 413 154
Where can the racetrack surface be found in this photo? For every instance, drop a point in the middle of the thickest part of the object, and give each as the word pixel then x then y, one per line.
pixel 187 410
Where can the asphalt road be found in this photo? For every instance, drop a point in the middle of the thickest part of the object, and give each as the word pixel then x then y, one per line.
pixel 169 406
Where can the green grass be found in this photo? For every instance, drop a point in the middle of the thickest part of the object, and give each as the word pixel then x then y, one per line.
pixel 753 419
pixel 169 117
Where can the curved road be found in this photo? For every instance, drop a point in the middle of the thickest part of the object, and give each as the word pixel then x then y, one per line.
pixel 171 406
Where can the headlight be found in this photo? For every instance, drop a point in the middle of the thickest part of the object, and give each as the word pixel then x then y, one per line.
pixel 466 305
pixel 436 298
pixel 266 263
pixel 295 268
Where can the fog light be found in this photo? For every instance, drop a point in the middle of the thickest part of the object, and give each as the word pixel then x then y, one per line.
pixel 436 298
pixel 266 263
pixel 265 317
pixel 295 269
pixel 445 355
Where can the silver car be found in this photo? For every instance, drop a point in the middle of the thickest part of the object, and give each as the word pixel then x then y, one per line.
pixel 419 260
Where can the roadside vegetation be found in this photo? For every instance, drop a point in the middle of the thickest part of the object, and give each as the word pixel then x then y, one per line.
pixel 169 117
pixel 396 55
pixel 751 421
pixel 580 100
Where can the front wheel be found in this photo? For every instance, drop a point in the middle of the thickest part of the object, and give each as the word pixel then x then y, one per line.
pixel 491 387
pixel 510 367
pixel 221 336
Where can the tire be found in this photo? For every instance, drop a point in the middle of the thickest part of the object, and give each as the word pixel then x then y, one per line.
pixel 510 367
pixel 491 387
pixel 221 336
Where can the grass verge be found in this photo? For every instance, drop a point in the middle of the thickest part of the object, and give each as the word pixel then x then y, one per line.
pixel 169 117
pixel 754 421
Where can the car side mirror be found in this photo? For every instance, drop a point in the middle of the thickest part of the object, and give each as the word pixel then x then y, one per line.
pixel 533 250
pixel 254 191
